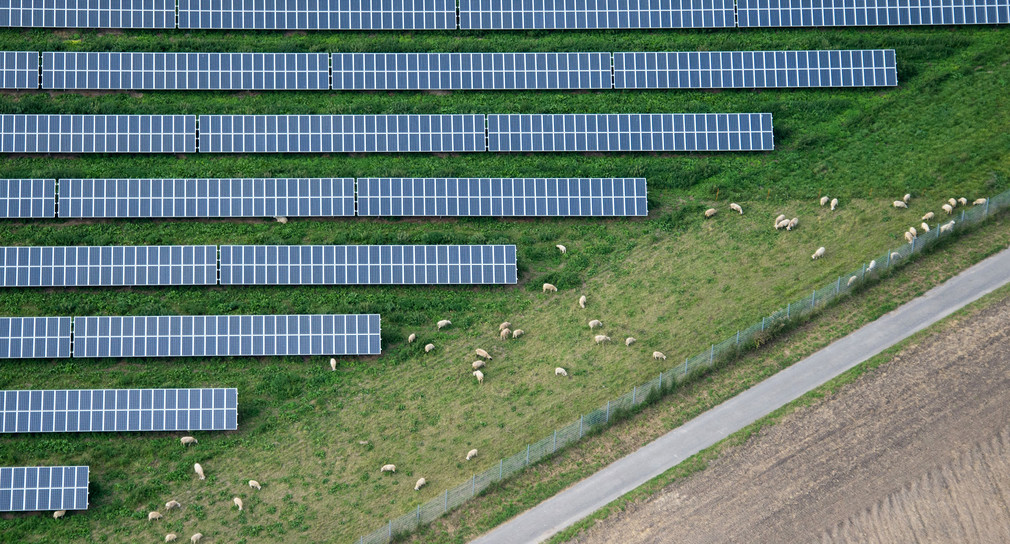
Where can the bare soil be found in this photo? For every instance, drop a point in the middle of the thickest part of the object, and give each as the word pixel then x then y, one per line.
pixel 826 464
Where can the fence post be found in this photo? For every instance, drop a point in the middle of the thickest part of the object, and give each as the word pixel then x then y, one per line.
pixel 962 216
pixel 913 243
pixel 863 275
pixel 389 531
pixel 711 354
pixel 738 338
pixel 473 486
pixel 446 509
pixel 762 324
pixel 838 286
pixel 986 213
pixel 685 365
pixel 634 394
pixel 888 259
pixel 419 514
pixel 581 418
pixel 555 441
pixel 813 299
pixel 608 420
pixel 501 465
pixel 789 309
pixel 528 454
pixel 660 381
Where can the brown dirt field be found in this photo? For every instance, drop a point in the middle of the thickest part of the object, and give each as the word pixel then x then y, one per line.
pixel 827 463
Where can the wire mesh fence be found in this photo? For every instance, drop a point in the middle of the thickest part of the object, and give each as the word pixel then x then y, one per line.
pixel 718 352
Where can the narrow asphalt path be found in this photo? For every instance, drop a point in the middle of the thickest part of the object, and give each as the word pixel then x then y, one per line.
pixel 585 497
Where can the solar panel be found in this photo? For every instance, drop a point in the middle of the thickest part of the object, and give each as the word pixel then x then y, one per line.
pixel 88 13
pixel 82 266
pixel 341 133
pixel 470 71
pixel 97 134
pixel 226 335
pixel 318 14
pixel 228 197
pixel 502 197
pixel 755 69
pixel 34 337
pixel 780 13
pixel 27 198
pixel 368 265
pixel 32 489
pixel 105 410
pixel 576 14
pixel 631 132
pixel 186 71
pixel 19 69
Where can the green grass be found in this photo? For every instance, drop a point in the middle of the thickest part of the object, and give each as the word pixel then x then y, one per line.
pixel 674 281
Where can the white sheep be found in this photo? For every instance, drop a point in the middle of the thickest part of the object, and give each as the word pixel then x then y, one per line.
pixel 852 280
pixel 388 468
pixel 906 198
pixel 151 516
pixel 187 440
pixel 736 207
pixel 824 200
pixel 710 212
pixel 444 323
pixel 238 502
pixel 255 485
pixel 600 338
pixel 333 364
pixel 281 219
pixel 199 471
pixel 873 264
pixel 962 201
pixel 196 538
pixel 172 504
pixel 818 254
pixel 928 216
pixel 582 301
pixel 979 201
pixel 428 347
pixel 59 514
pixel 560 372
pixel 834 204
pixel 411 338
pixel 517 333
pixel 913 232
pixel 480 376
pixel 658 355
pixel 471 454
pixel 925 227
pixel 595 324
pixel 562 249
pixel 170 537
pixel 629 340
pixel 505 333
pixel 947 208
pixel 504 325
pixel 784 224
pixel 909 238
pixel 550 288
pixel 482 353
pixel 952 202
pixel 780 217
pixel 895 256
pixel 946 227
pixel 899 204
pixel 792 223
pixel 420 483
pixel 477 364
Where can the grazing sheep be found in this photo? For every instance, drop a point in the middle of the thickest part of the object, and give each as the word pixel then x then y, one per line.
pixel 582 301
pixel 196 538
pixel 834 204
pixel 736 207
pixel 895 256
pixel 909 238
pixel 280 219
pixel 187 440
pixel 477 364
pixel 562 249
pixel 852 280
pixel 172 504
pixel 962 201
pixel 946 227
pixel 504 325
pixel 411 338
pixel 600 338
pixel 928 216
pixel 947 208
pixel 658 355
pixel 873 264
pixel 471 454
pixel 429 347
pixel 59 514
pixel 255 485
pixel 420 483
pixel 784 224
pixel 595 324
pixel 199 471
pixel 505 333
pixel 170 537
pixel 780 218
pixel 560 372
pixel 517 333
pixel 913 232
pixel 151 516
pixel 925 227
pixel 480 376
pixel 906 198
pixel 900 204
pixel 818 254
pixel 238 502
pixel 792 223
pixel 444 323
pixel 824 200
pixel 388 468
pixel 550 288
pixel 482 353
pixel 710 212
pixel 979 201
pixel 952 202
pixel 629 340
pixel 333 364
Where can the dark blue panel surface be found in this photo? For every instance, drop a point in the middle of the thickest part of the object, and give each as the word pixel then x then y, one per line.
pixel 27 198
pixel 94 266
pixel 34 337
pixel 577 14
pixel 33 489
pixel 88 13
pixel 318 14
pixel 19 69
pixel 782 13
pixel 97 133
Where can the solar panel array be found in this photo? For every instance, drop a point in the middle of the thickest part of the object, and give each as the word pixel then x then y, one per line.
pixel 185 71
pixel 19 69
pixel 368 265
pixel 82 266
pixel 783 13
pixel 98 410
pixel 318 14
pixel 33 489
pixel 27 198
pixel 88 13
pixel 97 134
pixel 228 197
pixel 502 197
pixel 588 14
pixel 471 71
pixel 34 337
pixel 755 69
pixel 631 132
pixel 341 133
pixel 226 335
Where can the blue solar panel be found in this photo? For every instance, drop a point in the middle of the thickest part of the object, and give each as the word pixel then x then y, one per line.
pixel 98 410
pixel 186 71
pixel 33 489
pixel 318 14
pixel 755 69
pixel 226 335
pixel 368 265
pixel 81 266
pixel 470 71
pixel 34 337
pixel 97 134
pixel 780 13
pixel 24 198
pixel 631 132
pixel 502 197
pixel 340 133
pixel 575 14
pixel 88 13
pixel 19 69
pixel 228 197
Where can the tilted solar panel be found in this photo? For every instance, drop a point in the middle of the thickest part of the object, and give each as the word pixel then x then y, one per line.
pixel 83 266
pixel 226 335
pixel 88 13
pixel 576 14
pixel 502 197
pixel 19 69
pixel 34 337
pixel 318 14
pixel 110 410
pixel 218 197
pixel 631 132
pixel 33 489
pixel 27 198
pixel 97 134
pixel 186 71
pixel 341 133
pixel 781 13
pixel 368 265
pixel 470 71
pixel 755 69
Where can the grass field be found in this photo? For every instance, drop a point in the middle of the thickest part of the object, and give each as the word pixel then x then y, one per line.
pixel 673 281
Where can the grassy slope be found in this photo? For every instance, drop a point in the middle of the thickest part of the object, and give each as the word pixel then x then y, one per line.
pixel 665 280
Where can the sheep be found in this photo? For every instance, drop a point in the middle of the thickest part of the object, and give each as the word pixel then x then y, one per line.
pixel 471 454
pixel 852 280
pixel 477 364
pixel 255 485
pixel 170 537
pixel 946 227
pixel 199 471
pixel 824 200
pixel 952 202
pixel 979 201
pixel 504 325
pixel 562 249
pixel 792 223
pixel 909 238
pixel 658 355
pixel 818 254
pixel 429 347
pixel 443 323
pixel 172 504
pixel 595 324
pixel 895 256
pixel 736 207
pixel 710 212
pixel 281 219
pixel 517 333
pixel 420 483
pixel 928 216
pixel 411 338
pixel 834 204
pixel 480 376
pixel 550 288
pixel 59 514
pixel 196 538
pixel 873 264
pixel 333 364
pixel 784 224
pixel 560 372
pixel 899 204
pixel 238 502
pixel 779 219
pixel 154 515
pixel 600 338
pixel 906 198
pixel 505 333
pixel 925 227
pixel 629 340
pixel 482 353
pixel 187 440
pixel 388 468
pixel 582 301
pixel 947 208
pixel 962 201
pixel 913 232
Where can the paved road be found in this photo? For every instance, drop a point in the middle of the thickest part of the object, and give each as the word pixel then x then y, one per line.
pixel 627 473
